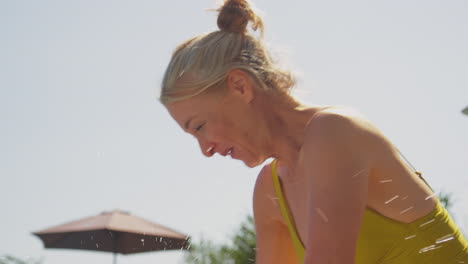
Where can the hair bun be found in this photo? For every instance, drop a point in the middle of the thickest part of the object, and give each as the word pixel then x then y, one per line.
pixel 235 15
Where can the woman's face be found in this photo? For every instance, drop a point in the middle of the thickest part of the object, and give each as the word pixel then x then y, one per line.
pixel 223 124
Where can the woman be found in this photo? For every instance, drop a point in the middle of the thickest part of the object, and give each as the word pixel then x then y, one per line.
pixel 337 191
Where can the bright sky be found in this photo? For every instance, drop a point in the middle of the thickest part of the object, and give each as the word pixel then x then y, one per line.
pixel 82 132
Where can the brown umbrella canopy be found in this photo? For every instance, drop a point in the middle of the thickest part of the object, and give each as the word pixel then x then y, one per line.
pixel 115 231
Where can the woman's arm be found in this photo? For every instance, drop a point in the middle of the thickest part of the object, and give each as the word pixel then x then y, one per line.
pixel 274 244
pixel 336 167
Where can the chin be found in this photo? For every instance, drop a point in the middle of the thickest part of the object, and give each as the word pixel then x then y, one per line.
pixel 250 160
pixel 253 163
pixel 250 165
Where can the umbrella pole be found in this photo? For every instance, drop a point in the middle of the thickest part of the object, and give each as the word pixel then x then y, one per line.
pixel 114 244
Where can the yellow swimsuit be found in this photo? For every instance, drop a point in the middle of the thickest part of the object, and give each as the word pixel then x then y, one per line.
pixel 432 239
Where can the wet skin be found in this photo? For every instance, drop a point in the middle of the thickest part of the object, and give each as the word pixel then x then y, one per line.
pixel 324 154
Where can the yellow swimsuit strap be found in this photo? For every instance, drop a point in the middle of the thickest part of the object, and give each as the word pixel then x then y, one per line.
pixel 286 213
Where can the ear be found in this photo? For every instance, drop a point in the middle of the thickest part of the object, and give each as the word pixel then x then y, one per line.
pixel 240 84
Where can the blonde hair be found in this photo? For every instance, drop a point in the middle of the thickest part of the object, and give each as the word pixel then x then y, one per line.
pixel 202 63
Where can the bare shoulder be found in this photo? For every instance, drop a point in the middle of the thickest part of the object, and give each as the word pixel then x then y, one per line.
pixel 265 201
pixel 344 127
pixel 335 159
pixel 339 117
pixel 274 244
pixel 344 133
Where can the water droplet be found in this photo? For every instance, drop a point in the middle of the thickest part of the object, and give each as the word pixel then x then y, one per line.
pixel 404 198
pixel 272 197
pixel 385 181
pixel 431 247
pixel 274 200
pixel 143 241
pixel 92 237
pixel 393 198
pixel 97 245
pixel 358 173
pixel 432 195
pixel 444 239
pixel 406 210
pixel 428 222
pixel 181 73
pixel 406 238
pixel 320 212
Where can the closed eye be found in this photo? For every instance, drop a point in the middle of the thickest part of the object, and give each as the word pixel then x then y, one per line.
pixel 199 127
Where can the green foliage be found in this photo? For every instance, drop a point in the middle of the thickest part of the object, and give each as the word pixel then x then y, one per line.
pixel 446 200
pixel 240 250
pixel 205 252
pixel 244 243
pixel 14 260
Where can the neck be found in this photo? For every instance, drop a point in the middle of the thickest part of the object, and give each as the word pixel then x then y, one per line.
pixel 286 121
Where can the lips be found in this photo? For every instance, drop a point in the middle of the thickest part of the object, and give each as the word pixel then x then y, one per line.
pixel 227 152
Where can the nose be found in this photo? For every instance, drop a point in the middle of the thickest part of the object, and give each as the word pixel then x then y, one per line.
pixel 207 148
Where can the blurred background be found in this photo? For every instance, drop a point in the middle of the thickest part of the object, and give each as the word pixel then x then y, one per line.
pixel 82 131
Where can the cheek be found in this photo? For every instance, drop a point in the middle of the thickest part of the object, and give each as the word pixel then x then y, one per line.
pixel 216 133
pixel 223 128
pixel 229 129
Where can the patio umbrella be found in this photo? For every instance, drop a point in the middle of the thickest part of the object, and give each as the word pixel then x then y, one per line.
pixel 116 231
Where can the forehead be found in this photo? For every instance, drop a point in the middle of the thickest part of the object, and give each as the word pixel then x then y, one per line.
pixel 182 111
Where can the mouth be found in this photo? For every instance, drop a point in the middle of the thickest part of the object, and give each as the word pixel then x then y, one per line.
pixel 228 152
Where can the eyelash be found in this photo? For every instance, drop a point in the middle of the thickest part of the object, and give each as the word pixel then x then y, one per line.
pixel 199 127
